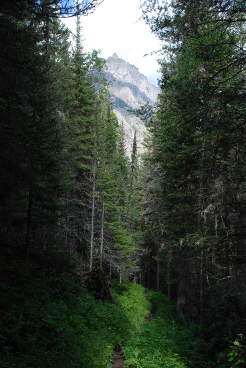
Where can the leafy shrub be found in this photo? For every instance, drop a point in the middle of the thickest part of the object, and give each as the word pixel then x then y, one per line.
pixel 51 321
pixel 237 354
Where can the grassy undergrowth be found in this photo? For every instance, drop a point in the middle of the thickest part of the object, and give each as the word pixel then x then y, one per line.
pixel 163 341
pixel 50 321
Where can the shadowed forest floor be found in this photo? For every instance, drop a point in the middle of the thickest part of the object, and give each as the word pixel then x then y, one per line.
pixel 52 321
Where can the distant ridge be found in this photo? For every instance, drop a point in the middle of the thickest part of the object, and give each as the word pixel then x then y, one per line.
pixel 129 90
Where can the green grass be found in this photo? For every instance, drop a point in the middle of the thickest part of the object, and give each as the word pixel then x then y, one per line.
pixel 163 341
pixel 50 321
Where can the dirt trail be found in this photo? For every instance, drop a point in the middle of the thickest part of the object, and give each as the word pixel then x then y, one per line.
pixel 118 360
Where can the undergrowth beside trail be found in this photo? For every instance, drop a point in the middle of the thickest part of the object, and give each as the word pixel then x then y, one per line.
pixel 51 321
pixel 163 341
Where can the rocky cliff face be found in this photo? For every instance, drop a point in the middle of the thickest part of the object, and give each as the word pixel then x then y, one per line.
pixel 129 90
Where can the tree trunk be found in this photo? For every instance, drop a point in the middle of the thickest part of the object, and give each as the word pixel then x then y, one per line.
pixel 102 238
pixel 110 271
pixel 169 261
pixel 92 216
pixel 120 276
pixel 29 223
pixel 157 275
pixel 201 284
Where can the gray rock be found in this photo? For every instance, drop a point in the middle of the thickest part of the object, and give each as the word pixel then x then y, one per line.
pixel 129 90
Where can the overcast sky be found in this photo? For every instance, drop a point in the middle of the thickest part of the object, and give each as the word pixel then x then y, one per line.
pixel 115 26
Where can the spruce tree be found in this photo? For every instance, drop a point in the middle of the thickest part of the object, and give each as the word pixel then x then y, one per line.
pixel 30 143
pixel 198 152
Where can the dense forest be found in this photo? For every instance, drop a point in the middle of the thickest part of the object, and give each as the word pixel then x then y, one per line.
pixel 73 205
pixel 196 200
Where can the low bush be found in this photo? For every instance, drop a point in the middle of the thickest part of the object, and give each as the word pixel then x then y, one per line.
pixel 50 321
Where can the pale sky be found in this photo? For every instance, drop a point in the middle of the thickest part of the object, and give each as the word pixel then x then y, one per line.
pixel 115 26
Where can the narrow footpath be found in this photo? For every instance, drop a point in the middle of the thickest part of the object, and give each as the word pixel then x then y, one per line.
pixel 162 340
pixel 118 360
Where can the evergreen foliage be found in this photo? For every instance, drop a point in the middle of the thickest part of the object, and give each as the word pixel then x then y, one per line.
pixel 194 232
pixel 71 200
pixel 50 320
pixel 30 145
pixel 61 146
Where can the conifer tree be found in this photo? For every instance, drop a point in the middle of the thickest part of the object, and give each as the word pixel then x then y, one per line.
pixel 29 129
pixel 197 147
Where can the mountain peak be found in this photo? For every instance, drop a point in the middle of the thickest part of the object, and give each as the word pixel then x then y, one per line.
pixel 115 56
pixel 126 73
pixel 129 90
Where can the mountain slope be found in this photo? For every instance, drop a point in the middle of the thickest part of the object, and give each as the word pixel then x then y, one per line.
pixel 129 90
